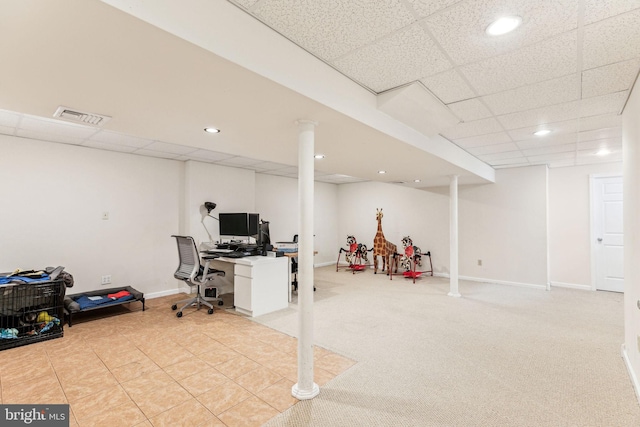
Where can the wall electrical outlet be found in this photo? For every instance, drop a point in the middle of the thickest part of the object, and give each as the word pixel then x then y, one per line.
pixel 106 279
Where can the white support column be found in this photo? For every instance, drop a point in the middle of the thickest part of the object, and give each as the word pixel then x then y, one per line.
pixel 305 388
pixel 453 237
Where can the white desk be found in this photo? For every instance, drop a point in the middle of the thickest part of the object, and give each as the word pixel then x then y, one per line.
pixel 261 284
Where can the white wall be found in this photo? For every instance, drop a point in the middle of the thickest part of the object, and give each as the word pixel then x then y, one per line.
pixel 277 202
pixel 232 189
pixel 569 223
pixel 631 161
pixel 54 195
pixel 422 215
pixel 53 198
pixel 505 225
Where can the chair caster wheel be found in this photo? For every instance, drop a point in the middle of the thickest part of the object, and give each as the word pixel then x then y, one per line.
pixel 174 307
pixel 179 314
pixel 210 311
pixel 220 302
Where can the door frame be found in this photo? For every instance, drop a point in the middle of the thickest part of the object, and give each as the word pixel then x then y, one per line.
pixel 592 214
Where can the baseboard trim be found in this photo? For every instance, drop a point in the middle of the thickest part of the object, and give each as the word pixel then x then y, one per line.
pixel 571 286
pixel 497 282
pixel 504 282
pixel 168 292
pixel 632 374
pixel 324 264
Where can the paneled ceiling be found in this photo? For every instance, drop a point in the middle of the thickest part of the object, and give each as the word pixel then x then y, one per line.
pixel 568 68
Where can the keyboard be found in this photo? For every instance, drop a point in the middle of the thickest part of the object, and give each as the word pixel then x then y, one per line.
pixel 218 251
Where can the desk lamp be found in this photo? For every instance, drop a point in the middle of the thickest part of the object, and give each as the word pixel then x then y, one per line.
pixel 208 206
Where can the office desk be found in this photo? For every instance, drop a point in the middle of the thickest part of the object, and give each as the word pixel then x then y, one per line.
pixel 260 284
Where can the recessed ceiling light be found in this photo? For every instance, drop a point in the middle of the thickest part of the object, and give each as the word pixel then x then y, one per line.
pixel 212 130
pixel 319 156
pixel 381 172
pixel 503 25
pixel 416 180
pixel 542 132
pixel 603 152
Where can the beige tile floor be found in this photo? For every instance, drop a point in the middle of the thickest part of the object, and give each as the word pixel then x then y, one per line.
pixel 126 367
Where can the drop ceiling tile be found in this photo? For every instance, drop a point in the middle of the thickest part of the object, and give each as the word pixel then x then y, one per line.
pixel 110 147
pixel 611 103
pixel 56 127
pixel 479 141
pixel 612 40
pixel 550 92
pixel 562 163
pixel 610 143
pixel 551 149
pixel 540 116
pixel 501 156
pixel 331 28
pixel 9 119
pixel 600 122
pixel 475 128
pixel 597 10
pixel 169 148
pixel 154 153
pixel 609 78
pixel 534 142
pixel 109 137
pixel 592 156
pixel 51 137
pixel 448 86
pixel 605 133
pixel 239 161
pixel 544 158
pixel 270 166
pixel 546 60
pixel 492 149
pixel 460 30
pixel 289 170
pixel 424 8
pixel 405 56
pixel 469 110
pixel 556 128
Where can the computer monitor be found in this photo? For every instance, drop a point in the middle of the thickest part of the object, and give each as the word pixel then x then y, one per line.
pixel 239 225
pixel 264 239
pixel 254 225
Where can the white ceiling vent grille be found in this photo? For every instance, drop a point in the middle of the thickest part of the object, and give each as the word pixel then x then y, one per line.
pixel 81 116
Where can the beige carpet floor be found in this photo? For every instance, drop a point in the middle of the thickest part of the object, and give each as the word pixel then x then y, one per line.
pixel 498 356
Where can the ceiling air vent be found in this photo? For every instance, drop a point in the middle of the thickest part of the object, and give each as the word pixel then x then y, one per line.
pixel 81 116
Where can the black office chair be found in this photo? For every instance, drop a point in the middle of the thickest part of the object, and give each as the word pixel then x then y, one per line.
pixel 194 274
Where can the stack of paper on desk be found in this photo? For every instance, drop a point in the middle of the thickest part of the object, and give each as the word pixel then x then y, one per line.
pixel 286 246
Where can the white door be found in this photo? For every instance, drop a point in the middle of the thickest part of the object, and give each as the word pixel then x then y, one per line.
pixel 607 233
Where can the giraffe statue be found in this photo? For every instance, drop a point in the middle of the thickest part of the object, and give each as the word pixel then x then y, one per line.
pixel 382 247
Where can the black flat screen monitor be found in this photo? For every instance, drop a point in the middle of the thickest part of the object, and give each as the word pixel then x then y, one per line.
pixel 254 225
pixel 239 224
pixel 264 238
